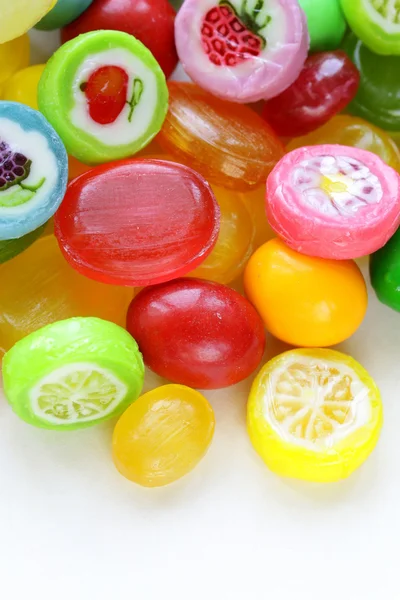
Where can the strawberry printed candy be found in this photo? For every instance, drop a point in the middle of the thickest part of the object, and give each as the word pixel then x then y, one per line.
pixel 242 50
pixel 105 94
pixel 333 201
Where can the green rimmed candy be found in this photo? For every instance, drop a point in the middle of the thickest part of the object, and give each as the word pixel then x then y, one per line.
pixel 326 23
pixel 73 374
pixel 105 95
pixel 11 248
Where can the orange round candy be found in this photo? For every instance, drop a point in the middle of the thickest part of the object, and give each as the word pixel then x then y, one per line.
pixel 163 435
pixel 304 300
pixel 229 144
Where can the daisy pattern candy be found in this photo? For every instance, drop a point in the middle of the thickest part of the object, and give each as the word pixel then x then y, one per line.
pixel 333 201
pixel 242 50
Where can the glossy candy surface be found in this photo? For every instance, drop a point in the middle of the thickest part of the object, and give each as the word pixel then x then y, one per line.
pixel 149 21
pixel 303 300
pixel 163 435
pixel 162 222
pixel 14 55
pixel 63 13
pixel 376 23
pixel 73 374
pixel 105 95
pixel 352 131
pixel 326 84
pixel 314 415
pixel 23 86
pixel 239 50
pixel 384 267
pixel 333 201
pixel 378 96
pixel 326 23
pixel 33 170
pixel 197 333
pixel 255 203
pixel 19 15
pixel 39 287
pixel 229 144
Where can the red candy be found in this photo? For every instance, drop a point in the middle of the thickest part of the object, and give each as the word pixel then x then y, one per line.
pixel 137 222
pixel 197 333
pixel 150 21
pixel 326 84
pixel 106 91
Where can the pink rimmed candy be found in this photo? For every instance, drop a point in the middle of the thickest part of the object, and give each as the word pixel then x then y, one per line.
pixel 242 50
pixel 333 201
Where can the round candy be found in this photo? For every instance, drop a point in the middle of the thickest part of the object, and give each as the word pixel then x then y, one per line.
pixel 333 201
pixel 326 84
pixel 255 204
pixel 14 55
pixel 377 99
pixel 63 13
pixel 149 21
pixel 326 23
pixel 376 23
pixel 23 86
pixel 197 333
pixel 384 267
pixel 314 415
pixel 163 435
pixel 239 50
pixel 73 374
pixel 33 170
pixel 11 248
pixel 162 222
pixel 352 131
pixel 105 95
pixel 229 144
pixel 38 287
pixel 303 300
pixel 18 16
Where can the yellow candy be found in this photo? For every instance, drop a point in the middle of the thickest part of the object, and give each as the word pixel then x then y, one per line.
pixel 38 287
pixel 22 86
pixel 314 415
pixel 163 435
pixel 14 56
pixel 18 16
pixel 255 204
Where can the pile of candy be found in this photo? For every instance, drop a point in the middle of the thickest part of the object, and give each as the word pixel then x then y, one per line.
pixel 178 188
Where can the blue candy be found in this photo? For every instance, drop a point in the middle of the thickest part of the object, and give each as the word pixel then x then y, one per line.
pixel 33 170
pixel 64 12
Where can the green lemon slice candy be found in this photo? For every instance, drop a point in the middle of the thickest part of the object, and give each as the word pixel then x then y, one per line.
pixel 376 23
pixel 73 374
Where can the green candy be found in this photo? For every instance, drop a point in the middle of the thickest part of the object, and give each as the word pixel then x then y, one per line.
pixel 73 374
pixel 11 248
pixel 63 96
pixel 326 23
pixel 384 268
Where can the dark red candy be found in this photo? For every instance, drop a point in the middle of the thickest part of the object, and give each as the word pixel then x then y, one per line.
pixel 325 86
pixel 197 333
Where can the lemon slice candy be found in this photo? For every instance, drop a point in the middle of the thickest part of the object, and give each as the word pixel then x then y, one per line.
pixel 314 414
pixel 73 374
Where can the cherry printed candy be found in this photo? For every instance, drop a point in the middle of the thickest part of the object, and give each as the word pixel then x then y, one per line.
pixel 333 201
pixel 105 94
pixel 242 50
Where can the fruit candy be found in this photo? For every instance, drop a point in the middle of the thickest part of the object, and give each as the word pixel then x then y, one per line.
pixel 33 170
pixel 11 248
pixel 333 201
pixel 163 435
pixel 14 55
pixel 384 267
pixel 314 415
pixel 63 13
pixel 23 86
pixel 352 131
pixel 17 16
pixel 105 95
pixel 227 143
pixel 150 21
pixel 197 333
pixel 303 300
pixel 326 84
pixel 326 23
pixel 38 287
pixel 242 50
pixel 376 23
pixel 73 374
pixel 377 99
pixel 162 222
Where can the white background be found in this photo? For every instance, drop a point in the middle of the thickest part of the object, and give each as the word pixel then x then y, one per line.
pixel 72 528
